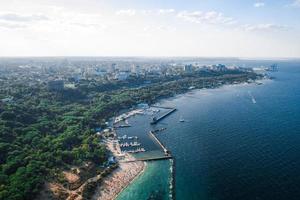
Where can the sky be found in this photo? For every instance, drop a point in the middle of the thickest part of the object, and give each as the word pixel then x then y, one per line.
pixel 163 28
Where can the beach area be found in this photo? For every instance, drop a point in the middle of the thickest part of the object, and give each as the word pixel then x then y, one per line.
pixel 115 183
pixel 128 169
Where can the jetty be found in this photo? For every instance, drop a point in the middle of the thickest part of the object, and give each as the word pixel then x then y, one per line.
pixel 173 181
pixel 150 159
pixel 155 120
pixel 160 144
pixel 122 126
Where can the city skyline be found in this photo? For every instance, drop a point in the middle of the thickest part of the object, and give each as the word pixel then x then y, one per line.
pixel 144 28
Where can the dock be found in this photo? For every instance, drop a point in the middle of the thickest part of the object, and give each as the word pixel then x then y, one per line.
pixel 159 142
pixel 149 159
pixel 123 126
pixel 168 155
pixel 156 120
pixel 164 107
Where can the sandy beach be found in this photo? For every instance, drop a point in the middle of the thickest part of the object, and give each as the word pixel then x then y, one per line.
pixel 116 182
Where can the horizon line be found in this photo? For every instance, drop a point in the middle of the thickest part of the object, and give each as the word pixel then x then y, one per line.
pixel 164 57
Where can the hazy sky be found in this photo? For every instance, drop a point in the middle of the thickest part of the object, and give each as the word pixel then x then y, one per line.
pixel 244 28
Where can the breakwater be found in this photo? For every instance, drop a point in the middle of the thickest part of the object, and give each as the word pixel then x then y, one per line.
pixel 155 120
pixel 169 156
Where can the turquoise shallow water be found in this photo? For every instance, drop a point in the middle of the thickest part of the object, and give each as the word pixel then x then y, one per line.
pixel 152 184
pixel 230 148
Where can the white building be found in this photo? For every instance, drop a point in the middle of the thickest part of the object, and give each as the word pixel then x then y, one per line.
pixel 135 69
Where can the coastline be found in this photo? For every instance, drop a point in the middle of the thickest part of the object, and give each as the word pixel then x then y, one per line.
pixel 136 177
pixel 102 189
pixel 112 185
pixel 119 180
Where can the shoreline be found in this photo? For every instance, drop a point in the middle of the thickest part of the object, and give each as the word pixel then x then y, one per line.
pixel 136 177
pixel 263 80
pixel 121 177
pixel 119 190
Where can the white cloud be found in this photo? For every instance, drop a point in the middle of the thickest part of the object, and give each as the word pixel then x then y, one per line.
pixel 17 21
pixel 148 12
pixel 210 17
pixel 15 17
pixel 166 11
pixel 159 28
pixel 129 12
pixel 158 11
pixel 259 4
pixel 264 27
pixel 9 25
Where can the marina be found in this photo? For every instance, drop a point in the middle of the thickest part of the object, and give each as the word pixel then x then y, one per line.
pixel 146 147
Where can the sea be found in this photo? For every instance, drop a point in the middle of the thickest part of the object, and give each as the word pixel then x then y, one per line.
pixel 238 142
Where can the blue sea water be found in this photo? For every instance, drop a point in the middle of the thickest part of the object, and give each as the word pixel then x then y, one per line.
pixel 152 184
pixel 232 148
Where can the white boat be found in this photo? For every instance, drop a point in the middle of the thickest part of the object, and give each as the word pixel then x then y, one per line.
pixel 252 97
pixel 181 119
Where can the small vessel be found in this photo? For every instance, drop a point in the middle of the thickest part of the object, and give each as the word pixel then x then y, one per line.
pixel 181 119
pixel 252 97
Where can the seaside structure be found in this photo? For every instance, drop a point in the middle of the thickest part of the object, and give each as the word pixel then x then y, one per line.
pixel 155 120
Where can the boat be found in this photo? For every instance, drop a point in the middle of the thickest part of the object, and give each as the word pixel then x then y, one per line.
pixel 134 144
pixel 181 119
pixel 122 137
pixel 252 97
pixel 138 150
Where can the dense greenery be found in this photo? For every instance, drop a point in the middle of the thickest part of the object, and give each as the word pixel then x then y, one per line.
pixel 42 132
pixel 39 135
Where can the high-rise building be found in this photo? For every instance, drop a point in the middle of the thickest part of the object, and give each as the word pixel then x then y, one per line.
pixel 135 69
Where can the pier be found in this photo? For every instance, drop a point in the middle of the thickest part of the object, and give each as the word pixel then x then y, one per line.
pixel 167 156
pixel 123 126
pixel 160 144
pixel 149 159
pixel 156 120
pixel 164 107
